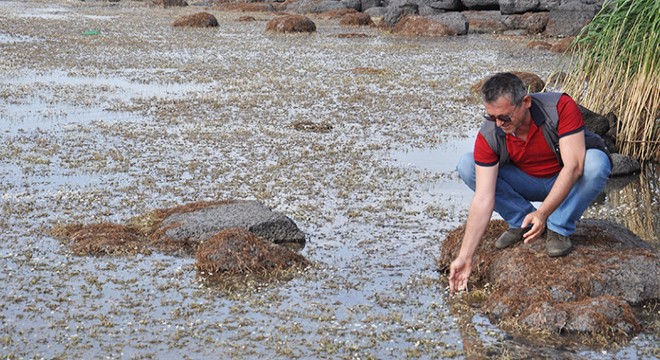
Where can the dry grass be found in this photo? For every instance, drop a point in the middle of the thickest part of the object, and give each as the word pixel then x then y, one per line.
pixel 102 239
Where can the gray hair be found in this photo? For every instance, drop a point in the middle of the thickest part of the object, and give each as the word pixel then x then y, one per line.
pixel 503 84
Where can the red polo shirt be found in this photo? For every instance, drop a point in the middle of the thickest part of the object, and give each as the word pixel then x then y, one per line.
pixel 534 156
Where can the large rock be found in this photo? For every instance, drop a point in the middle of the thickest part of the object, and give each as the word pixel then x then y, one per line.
pixel 518 6
pixel 624 165
pixel 368 4
pixel 481 4
pixel 569 18
pixel 591 291
pixel 315 6
pixel 594 122
pixel 484 22
pixel 398 12
pixel 531 22
pixel 189 229
pixel 291 24
pixel 447 5
pixel 358 19
pixel 416 25
pixel 455 21
pixel 202 19
pixel 532 81
pixel 239 251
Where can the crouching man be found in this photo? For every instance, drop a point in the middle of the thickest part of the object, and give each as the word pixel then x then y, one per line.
pixel 531 147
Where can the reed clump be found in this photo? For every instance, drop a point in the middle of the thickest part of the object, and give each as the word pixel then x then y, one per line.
pixel 614 65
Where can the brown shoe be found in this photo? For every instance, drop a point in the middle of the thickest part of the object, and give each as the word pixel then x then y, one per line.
pixel 557 245
pixel 510 237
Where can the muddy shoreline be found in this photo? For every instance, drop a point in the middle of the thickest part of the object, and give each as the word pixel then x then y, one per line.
pixel 144 116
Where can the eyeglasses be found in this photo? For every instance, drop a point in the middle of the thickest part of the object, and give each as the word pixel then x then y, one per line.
pixel 502 118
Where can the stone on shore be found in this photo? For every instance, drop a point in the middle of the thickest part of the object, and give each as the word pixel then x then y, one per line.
pixel 590 292
pixel 291 24
pixel 202 19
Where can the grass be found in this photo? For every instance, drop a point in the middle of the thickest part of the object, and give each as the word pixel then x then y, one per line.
pixel 615 67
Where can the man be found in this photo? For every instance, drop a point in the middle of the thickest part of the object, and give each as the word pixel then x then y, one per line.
pixel 532 147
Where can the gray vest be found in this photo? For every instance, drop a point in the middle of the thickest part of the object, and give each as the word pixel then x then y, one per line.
pixel 545 116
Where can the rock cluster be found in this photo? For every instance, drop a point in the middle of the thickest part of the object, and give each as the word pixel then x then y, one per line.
pixel 228 237
pixel 550 17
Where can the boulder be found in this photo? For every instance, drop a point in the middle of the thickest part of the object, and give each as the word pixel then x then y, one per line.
pixel 563 45
pixel 595 122
pixel 624 165
pixel 358 19
pixel 290 24
pixel 518 6
pixel 446 5
pixel 531 22
pixel 590 291
pixel 369 4
pixel 416 25
pixel 336 14
pixel 569 18
pixel 484 22
pixel 187 230
pixel 169 3
pixel 377 12
pixel 455 21
pixel 315 6
pixel 202 19
pixel 239 251
pixel 353 4
pixel 398 12
pixel 481 4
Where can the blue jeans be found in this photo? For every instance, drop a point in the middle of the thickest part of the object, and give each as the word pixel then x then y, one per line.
pixel 515 190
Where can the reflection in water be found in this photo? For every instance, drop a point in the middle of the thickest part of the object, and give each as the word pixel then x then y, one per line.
pixel 634 202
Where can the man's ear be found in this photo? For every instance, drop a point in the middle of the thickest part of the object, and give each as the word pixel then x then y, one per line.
pixel 527 101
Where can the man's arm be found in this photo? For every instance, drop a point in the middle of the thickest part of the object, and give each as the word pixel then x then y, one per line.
pixel 572 155
pixel 479 215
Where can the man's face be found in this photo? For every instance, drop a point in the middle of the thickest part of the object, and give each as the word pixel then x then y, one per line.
pixel 507 115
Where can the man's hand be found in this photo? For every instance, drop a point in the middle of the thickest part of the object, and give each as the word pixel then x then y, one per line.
pixel 459 272
pixel 537 219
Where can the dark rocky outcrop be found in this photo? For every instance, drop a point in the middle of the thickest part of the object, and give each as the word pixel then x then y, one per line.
pixel 291 24
pixel 202 19
pixel 591 291
pixel 569 18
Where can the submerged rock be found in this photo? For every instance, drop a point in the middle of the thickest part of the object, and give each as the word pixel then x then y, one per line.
pixel 188 229
pixel 239 251
pixel 591 291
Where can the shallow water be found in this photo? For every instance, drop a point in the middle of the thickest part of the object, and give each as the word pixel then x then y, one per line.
pixel 145 116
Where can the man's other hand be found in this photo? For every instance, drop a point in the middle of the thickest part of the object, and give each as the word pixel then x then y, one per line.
pixel 537 220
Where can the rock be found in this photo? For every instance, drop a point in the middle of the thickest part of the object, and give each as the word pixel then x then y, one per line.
pixel 455 21
pixel 315 6
pixel 239 251
pixel 532 81
pixel 562 45
pixel 291 23
pixel 484 22
pixel 481 4
pixel 336 14
pixel 353 4
pixel 369 4
pixel 376 12
pixel 594 122
pixel 396 13
pixel 518 6
pixel 202 19
pixel 542 45
pixel 624 165
pixel 169 3
pixel 591 291
pixel 447 5
pixel 186 230
pixel 569 18
pixel 532 22
pixel 359 19
pixel 416 25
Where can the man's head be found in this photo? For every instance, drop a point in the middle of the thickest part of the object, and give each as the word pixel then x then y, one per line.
pixel 506 101
pixel 503 84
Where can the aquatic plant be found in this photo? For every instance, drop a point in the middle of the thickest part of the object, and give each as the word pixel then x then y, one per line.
pixel 614 66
